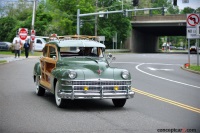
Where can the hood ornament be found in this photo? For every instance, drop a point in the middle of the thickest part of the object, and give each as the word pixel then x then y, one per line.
pixel 99 71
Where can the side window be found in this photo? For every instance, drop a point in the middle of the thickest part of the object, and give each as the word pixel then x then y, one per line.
pixel 52 52
pixel 38 41
pixel 97 51
pixel 45 51
pixel 100 52
pixel 94 51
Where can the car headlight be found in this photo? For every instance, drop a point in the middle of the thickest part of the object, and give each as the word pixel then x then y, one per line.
pixel 72 74
pixel 125 74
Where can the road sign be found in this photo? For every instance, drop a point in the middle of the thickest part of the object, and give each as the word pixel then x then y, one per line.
pixel 23 33
pixel 32 35
pixel 192 20
pixel 192 33
pixel 101 38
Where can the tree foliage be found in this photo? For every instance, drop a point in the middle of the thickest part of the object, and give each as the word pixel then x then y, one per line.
pixel 6 28
pixel 60 17
pixel 187 10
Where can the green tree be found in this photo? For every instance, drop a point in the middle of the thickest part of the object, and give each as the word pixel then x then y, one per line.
pixel 187 10
pixel 65 15
pixel 43 19
pixel 172 10
pixel 6 28
pixel 115 23
pixel 198 10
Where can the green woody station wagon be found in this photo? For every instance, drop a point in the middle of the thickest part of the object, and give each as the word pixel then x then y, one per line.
pixel 76 67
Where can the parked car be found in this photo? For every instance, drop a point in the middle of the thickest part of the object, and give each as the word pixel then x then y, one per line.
pixel 38 45
pixel 9 44
pixel 75 68
pixel 180 48
pixel 172 47
pixel 4 46
pixel 193 49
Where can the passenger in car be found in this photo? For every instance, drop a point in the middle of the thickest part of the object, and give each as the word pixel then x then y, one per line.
pixel 88 52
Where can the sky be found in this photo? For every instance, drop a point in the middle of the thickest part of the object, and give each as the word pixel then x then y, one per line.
pixel 192 3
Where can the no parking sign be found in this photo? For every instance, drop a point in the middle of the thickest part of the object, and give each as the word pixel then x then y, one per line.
pixel 192 21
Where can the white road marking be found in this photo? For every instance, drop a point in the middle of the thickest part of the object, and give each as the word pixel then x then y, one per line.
pixel 156 69
pixel 137 67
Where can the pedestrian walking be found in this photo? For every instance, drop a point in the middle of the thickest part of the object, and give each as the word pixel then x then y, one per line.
pixel 17 47
pixel 26 47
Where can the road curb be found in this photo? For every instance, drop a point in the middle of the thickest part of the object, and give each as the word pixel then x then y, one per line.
pixel 182 67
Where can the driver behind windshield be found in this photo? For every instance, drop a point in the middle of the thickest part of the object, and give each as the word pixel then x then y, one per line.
pixel 86 51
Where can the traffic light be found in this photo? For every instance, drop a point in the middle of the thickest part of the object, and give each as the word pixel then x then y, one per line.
pixel 135 2
pixel 175 2
pixel 163 11
pixel 125 13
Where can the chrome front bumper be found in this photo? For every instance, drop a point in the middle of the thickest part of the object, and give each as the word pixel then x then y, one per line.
pixel 97 89
pixel 90 95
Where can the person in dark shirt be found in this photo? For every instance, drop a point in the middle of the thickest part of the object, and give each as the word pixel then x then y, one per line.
pixel 26 47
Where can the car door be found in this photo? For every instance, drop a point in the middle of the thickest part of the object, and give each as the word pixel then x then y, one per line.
pixel 38 45
pixel 48 63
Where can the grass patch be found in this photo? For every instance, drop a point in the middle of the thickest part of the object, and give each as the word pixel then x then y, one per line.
pixel 195 68
pixel 2 61
pixel 6 52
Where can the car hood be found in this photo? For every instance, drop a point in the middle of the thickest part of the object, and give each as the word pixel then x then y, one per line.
pixel 89 68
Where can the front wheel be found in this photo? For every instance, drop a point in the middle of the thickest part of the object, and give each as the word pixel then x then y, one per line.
pixel 119 102
pixel 39 90
pixel 59 101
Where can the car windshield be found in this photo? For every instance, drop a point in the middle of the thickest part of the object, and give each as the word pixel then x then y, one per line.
pixel 82 52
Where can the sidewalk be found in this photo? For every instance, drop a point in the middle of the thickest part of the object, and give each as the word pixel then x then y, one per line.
pixel 10 58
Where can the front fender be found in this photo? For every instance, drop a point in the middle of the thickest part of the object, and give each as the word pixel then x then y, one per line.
pixel 61 73
pixel 37 70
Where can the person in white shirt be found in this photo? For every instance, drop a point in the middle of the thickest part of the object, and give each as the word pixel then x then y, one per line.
pixel 17 47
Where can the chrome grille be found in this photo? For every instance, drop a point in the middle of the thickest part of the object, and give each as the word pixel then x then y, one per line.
pixel 101 83
pixel 97 86
pixel 80 88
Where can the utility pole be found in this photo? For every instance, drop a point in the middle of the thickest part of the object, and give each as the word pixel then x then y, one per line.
pixel 32 24
pixel 96 19
pixel 122 4
pixel 33 17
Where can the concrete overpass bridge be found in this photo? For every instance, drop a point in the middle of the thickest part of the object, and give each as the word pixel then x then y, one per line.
pixel 147 29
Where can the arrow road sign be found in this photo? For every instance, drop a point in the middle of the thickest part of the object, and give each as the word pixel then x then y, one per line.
pixel 192 20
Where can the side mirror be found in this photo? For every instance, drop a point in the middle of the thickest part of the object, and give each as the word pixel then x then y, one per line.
pixel 110 57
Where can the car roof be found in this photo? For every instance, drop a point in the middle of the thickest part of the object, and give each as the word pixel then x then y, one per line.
pixel 77 43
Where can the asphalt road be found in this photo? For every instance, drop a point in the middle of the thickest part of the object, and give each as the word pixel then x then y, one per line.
pixel 167 97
